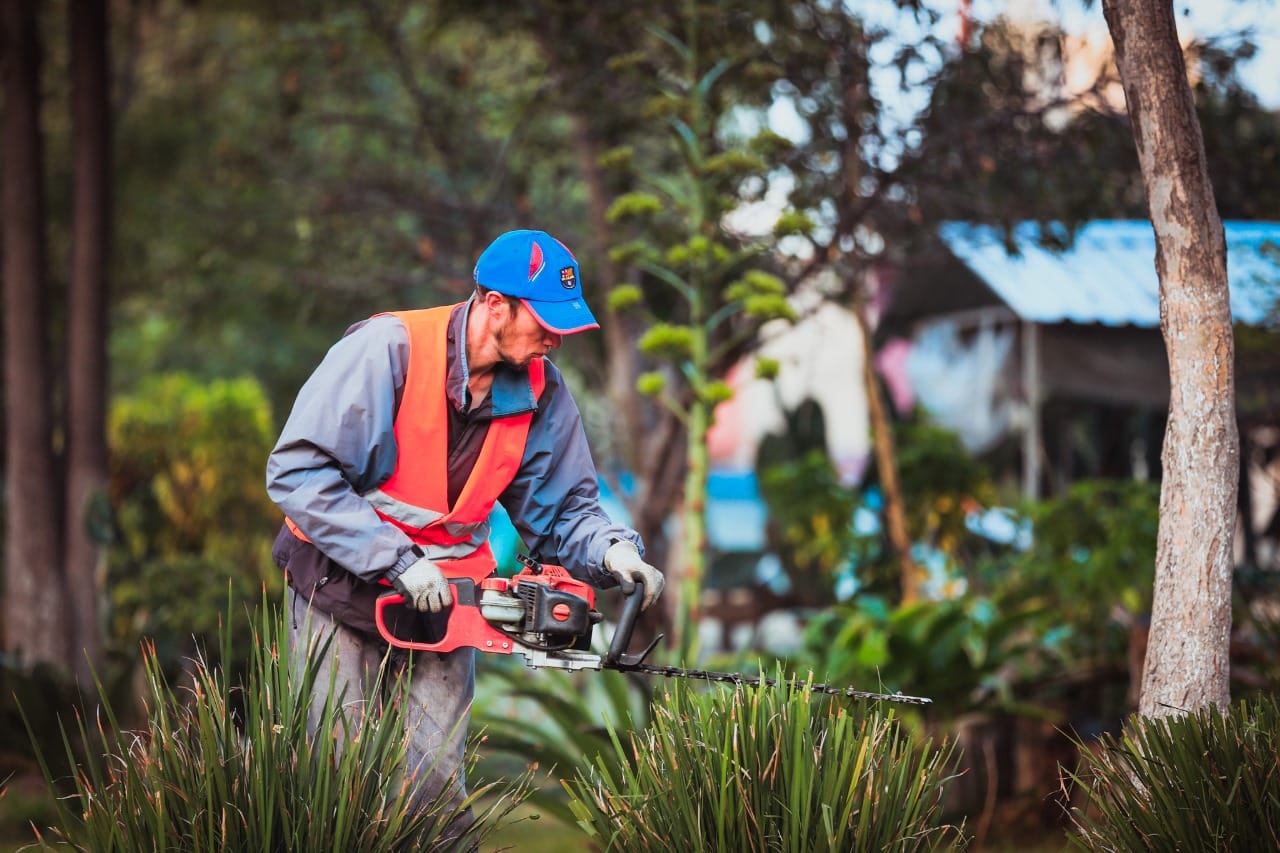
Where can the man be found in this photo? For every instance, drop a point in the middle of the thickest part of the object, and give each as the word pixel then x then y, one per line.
pixel 396 450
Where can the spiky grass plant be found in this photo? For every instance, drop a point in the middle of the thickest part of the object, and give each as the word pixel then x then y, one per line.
pixel 1203 781
pixel 764 769
pixel 221 767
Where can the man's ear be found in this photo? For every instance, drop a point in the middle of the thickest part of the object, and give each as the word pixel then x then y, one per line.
pixel 495 303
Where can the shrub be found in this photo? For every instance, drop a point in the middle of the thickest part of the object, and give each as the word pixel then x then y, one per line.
pixel 759 768
pixel 551 721
pixel 223 768
pixel 1203 781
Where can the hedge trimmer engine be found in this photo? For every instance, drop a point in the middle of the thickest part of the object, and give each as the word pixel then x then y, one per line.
pixel 546 616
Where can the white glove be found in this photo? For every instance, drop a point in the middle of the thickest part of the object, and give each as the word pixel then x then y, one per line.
pixel 424 588
pixel 624 562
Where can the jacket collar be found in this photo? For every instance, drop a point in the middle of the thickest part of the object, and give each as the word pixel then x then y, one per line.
pixel 512 390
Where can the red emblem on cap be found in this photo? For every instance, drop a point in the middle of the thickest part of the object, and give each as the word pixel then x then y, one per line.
pixel 535 261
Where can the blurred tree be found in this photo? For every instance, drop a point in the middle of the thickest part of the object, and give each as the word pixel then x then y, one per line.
pixel 38 624
pixel 1188 661
pixel 714 294
pixel 87 291
pixel 55 445
pixel 287 171
pixel 192 518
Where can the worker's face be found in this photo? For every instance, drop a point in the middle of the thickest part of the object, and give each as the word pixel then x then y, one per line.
pixel 520 338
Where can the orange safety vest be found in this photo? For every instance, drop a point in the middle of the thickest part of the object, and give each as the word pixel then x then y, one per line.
pixel 415 496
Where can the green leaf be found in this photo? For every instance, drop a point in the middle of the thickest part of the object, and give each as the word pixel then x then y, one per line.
pixel 633 205
pixel 624 297
pixel 704 85
pixel 768 307
pixel 733 164
pixel 717 392
pixel 792 222
pixel 665 339
pixel 652 383
pixel 618 159
pixel 767 368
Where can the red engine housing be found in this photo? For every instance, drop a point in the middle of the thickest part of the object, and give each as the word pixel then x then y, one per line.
pixel 467 627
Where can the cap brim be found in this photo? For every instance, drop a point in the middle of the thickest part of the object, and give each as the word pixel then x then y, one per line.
pixel 562 318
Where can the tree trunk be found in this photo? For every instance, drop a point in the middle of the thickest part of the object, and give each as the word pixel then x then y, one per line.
pixel 1187 664
pixel 35 624
pixel 895 514
pixel 87 324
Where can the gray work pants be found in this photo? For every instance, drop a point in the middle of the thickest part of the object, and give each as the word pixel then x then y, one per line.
pixel 440 690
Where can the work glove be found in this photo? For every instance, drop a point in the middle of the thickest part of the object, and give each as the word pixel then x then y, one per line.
pixel 624 562
pixel 423 587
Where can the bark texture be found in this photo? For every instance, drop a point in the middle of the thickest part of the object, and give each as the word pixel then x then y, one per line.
pixel 35 630
pixel 1187 664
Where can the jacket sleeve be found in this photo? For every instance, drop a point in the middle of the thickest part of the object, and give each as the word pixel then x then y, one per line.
pixel 554 500
pixel 338 443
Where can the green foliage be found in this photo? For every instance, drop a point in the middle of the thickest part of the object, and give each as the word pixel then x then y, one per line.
pixel 624 297
pixel 618 159
pixel 716 392
pixel 631 252
pixel 1203 781
pixel 767 368
pixel 791 223
pixel 553 722
pixel 1093 551
pixel 668 340
pixel 231 766
pixel 191 512
pixel 762 297
pixel 964 653
pixel 810 516
pixel 703 306
pixel 760 768
pixel 733 164
pixel 651 384
pixel 636 204
pixel 941 484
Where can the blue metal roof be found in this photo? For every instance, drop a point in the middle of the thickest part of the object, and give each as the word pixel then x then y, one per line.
pixel 1108 274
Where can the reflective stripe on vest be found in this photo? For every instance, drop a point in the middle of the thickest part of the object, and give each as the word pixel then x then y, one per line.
pixel 415 496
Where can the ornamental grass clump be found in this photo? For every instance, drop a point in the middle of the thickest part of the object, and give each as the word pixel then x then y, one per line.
pixel 1203 781
pixel 764 769
pixel 221 768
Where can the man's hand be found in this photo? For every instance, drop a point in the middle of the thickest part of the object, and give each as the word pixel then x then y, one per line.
pixel 424 588
pixel 624 562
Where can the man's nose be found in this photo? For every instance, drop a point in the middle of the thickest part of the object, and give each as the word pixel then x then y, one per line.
pixel 553 340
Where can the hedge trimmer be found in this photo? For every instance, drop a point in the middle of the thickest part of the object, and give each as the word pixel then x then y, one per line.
pixel 546 616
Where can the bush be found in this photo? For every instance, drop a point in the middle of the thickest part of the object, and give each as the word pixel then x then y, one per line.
pixel 1203 781
pixel 965 653
pixel 551 721
pixel 759 768
pixel 229 768
pixel 187 501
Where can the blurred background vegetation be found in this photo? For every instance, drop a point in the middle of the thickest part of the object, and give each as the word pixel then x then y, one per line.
pixel 283 169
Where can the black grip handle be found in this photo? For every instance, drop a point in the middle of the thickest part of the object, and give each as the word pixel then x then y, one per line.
pixel 626 624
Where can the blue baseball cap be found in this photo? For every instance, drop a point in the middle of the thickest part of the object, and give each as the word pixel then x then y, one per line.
pixel 539 270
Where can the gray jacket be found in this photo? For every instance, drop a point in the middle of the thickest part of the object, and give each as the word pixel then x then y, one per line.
pixel 339 443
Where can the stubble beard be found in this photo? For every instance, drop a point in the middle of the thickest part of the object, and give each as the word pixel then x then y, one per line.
pixel 500 338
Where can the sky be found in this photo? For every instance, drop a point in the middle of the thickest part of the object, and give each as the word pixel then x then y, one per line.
pixel 1203 19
